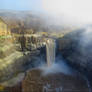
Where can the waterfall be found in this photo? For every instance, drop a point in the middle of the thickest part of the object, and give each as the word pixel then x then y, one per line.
pixel 50 51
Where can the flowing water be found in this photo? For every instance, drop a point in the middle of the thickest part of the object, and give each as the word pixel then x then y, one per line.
pixel 50 50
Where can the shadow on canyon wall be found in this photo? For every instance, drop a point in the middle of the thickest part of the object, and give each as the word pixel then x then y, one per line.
pixel 76 49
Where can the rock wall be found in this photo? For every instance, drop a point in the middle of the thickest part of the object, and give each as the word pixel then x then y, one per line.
pixel 72 48
pixel 59 82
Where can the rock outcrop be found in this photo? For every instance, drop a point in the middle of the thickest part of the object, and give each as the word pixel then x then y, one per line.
pixel 58 82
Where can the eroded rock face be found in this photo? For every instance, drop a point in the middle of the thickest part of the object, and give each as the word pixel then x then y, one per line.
pixel 76 48
pixel 59 82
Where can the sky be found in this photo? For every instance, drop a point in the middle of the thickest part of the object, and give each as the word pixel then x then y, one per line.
pixel 80 10
pixel 34 5
pixel 77 9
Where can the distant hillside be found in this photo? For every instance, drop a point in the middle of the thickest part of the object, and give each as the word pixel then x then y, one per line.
pixel 37 22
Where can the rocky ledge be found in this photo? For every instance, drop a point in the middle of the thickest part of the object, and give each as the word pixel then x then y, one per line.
pixel 56 82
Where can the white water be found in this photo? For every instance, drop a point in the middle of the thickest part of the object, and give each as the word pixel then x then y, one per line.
pixel 50 50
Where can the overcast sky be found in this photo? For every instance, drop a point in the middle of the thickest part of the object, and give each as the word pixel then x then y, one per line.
pixel 78 9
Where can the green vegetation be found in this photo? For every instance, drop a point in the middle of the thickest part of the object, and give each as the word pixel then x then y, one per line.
pixel 4 37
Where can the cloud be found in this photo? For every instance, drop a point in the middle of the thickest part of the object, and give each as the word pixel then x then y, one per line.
pixel 80 9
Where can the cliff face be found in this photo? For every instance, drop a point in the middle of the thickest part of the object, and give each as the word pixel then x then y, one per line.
pixel 76 48
pixel 58 82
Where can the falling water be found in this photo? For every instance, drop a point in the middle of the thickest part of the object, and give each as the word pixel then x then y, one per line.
pixel 50 50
